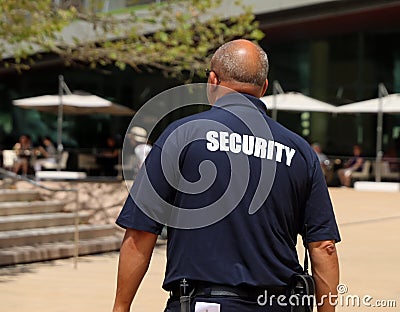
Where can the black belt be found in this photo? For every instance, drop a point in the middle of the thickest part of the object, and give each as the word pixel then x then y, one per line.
pixel 215 290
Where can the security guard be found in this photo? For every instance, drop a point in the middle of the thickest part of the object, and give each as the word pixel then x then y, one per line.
pixel 264 186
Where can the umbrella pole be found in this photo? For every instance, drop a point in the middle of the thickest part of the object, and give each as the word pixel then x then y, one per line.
pixel 274 92
pixel 379 133
pixel 276 88
pixel 379 152
pixel 60 118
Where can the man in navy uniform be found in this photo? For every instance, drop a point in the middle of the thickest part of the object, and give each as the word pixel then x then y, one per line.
pixel 250 247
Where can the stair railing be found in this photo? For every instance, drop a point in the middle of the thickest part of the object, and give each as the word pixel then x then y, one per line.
pixel 15 177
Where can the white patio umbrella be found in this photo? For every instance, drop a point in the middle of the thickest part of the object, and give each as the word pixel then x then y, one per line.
pixel 71 104
pixel 293 101
pixel 74 104
pixel 390 104
pixel 385 103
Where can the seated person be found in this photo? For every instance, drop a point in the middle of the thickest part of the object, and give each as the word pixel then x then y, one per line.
pixel 108 158
pixel 136 147
pixel 46 154
pixel 325 163
pixel 23 150
pixel 355 163
pixel 390 156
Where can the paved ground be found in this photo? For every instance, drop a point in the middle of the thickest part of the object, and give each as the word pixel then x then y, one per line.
pixel 369 258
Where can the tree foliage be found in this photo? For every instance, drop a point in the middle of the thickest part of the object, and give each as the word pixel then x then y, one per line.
pixel 29 26
pixel 174 37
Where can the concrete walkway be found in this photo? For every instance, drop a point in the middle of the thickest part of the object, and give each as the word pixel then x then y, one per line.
pixel 369 259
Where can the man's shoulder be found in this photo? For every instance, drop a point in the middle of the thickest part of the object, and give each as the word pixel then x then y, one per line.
pixel 279 130
pixel 290 138
pixel 202 115
pixel 188 123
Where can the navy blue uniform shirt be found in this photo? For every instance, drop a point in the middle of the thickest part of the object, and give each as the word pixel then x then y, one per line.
pixel 278 188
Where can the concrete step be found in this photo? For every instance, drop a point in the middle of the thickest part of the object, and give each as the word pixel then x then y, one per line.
pixel 18 195
pixel 53 234
pixel 30 207
pixel 42 220
pixel 51 251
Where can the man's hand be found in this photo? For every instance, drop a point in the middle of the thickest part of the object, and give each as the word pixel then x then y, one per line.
pixel 325 269
pixel 135 254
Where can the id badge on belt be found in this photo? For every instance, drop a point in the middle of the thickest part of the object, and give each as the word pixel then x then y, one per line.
pixel 207 307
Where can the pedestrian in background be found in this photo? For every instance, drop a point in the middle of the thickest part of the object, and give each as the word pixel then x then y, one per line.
pixel 23 150
pixel 45 154
pixel 353 164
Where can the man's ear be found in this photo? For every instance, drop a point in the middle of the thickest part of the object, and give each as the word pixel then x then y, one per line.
pixel 213 78
pixel 264 88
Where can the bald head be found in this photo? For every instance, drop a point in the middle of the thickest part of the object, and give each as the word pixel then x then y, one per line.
pixel 241 61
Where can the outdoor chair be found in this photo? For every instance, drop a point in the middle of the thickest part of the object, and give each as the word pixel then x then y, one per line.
pixel 62 164
pixel 87 162
pixel 364 174
pixel 387 174
pixel 9 157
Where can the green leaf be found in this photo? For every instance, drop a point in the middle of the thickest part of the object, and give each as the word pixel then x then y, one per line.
pixel 113 55
pixel 120 65
pixel 163 36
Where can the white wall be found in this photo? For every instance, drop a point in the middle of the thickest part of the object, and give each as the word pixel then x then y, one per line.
pixel 265 6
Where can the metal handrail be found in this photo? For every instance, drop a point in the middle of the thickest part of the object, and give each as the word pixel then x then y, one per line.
pixel 15 176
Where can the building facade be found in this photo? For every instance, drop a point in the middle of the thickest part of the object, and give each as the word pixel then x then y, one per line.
pixel 335 51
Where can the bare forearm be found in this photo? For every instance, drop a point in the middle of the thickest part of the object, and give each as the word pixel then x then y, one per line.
pixel 131 270
pixel 325 268
pixel 135 255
